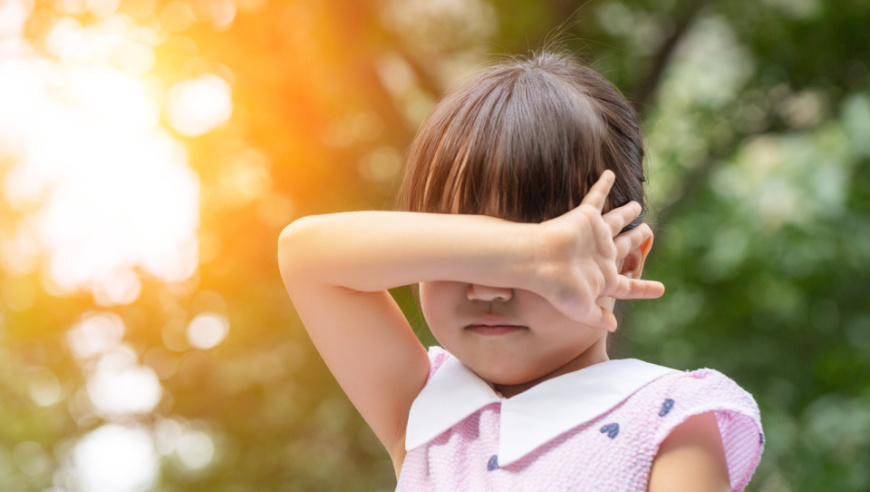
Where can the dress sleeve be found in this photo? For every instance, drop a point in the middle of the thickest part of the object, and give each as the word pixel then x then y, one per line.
pixel 705 390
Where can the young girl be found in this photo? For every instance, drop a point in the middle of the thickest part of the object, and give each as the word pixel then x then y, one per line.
pixel 523 226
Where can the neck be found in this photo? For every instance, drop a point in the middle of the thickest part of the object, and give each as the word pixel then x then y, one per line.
pixel 595 354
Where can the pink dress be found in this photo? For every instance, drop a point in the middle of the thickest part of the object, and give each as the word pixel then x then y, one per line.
pixel 597 429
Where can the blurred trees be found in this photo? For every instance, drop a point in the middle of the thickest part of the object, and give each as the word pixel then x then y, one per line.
pixel 757 117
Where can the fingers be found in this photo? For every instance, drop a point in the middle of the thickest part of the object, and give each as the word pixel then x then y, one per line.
pixel 603 318
pixel 597 195
pixel 630 288
pixel 620 217
pixel 608 320
pixel 631 240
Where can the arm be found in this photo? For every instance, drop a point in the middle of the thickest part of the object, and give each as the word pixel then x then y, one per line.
pixel 691 459
pixel 337 269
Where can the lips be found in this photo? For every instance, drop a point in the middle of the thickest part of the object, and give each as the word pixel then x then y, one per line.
pixel 493 326
pixel 494 330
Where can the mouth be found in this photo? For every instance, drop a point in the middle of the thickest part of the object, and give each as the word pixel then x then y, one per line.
pixel 494 327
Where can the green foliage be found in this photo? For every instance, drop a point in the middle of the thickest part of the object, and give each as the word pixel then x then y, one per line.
pixel 757 116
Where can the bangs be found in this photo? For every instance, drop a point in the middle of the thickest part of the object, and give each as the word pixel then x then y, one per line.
pixel 519 143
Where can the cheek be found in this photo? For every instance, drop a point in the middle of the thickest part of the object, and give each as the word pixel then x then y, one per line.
pixel 427 299
pixel 438 302
pixel 563 334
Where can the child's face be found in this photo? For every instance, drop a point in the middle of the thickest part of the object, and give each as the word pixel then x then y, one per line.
pixel 508 336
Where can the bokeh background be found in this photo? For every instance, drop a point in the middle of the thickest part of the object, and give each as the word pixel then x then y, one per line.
pixel 151 151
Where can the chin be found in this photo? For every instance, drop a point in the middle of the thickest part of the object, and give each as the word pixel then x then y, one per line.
pixel 508 374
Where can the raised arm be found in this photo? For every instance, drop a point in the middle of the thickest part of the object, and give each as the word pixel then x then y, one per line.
pixel 337 269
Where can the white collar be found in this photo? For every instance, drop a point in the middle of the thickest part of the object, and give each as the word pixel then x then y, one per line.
pixel 533 417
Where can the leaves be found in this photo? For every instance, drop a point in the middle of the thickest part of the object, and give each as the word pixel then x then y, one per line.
pixel 756 116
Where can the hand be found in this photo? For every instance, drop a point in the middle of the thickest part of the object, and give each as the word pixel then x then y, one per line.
pixel 580 253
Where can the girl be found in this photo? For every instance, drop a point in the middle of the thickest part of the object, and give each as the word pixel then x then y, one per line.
pixel 523 225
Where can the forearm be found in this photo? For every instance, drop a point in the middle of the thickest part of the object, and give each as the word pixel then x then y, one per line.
pixel 373 251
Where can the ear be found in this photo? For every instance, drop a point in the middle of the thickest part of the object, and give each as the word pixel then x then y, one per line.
pixel 632 265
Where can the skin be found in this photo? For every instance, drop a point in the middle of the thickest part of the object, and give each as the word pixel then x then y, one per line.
pixel 540 342
pixel 691 459
pixel 558 280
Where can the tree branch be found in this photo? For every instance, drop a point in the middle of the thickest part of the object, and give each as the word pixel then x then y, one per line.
pixel 647 87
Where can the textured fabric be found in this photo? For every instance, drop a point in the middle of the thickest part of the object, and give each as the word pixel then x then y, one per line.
pixel 612 452
pixel 532 418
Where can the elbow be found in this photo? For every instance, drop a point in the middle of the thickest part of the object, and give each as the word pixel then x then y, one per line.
pixel 292 247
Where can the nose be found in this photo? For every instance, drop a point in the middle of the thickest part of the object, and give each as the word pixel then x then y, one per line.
pixel 485 293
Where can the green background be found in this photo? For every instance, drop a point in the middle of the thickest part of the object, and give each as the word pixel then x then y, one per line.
pixel 757 125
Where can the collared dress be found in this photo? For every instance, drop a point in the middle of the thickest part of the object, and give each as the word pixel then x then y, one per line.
pixel 596 429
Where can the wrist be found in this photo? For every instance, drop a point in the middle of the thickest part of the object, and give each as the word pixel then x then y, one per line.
pixel 537 265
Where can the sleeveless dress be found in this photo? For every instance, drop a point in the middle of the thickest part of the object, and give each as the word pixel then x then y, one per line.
pixel 596 429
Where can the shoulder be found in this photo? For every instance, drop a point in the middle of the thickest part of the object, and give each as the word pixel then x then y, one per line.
pixel 692 403
pixel 705 390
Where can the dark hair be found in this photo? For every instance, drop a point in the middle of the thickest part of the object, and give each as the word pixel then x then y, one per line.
pixel 525 141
